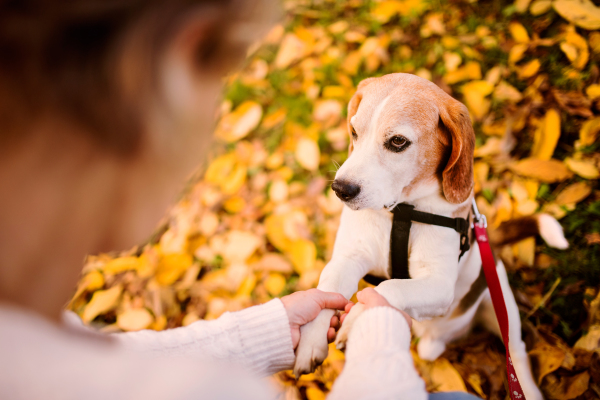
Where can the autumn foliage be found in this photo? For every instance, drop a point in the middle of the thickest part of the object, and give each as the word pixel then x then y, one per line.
pixel 261 221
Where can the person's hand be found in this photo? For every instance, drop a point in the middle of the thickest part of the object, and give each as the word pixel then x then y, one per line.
pixel 370 298
pixel 303 307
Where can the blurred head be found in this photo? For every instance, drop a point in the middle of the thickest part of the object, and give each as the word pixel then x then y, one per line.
pixel 409 140
pixel 106 106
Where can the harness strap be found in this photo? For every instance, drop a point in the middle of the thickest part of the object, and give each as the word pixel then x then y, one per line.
pixel 403 215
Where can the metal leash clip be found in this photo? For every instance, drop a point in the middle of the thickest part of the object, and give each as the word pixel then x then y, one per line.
pixel 478 218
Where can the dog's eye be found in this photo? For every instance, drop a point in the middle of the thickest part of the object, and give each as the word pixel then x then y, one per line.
pixel 353 132
pixel 397 144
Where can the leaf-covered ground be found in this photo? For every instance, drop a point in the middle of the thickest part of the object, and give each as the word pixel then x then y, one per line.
pixel 261 221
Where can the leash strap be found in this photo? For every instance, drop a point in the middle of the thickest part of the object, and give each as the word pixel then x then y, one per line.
pixel 403 215
pixel 491 275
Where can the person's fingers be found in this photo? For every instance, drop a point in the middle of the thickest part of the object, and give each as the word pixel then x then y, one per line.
pixel 348 306
pixel 342 318
pixel 335 322
pixel 330 300
pixel 331 335
pixel 369 296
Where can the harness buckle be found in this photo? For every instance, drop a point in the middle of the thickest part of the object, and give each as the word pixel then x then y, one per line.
pixel 478 219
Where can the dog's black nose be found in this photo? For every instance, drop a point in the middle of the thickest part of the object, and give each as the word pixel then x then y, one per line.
pixel 346 191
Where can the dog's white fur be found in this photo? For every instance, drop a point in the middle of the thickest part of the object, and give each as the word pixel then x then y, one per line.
pixel 439 281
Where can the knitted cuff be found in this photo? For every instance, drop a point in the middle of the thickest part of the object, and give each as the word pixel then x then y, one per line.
pixel 266 337
pixel 377 329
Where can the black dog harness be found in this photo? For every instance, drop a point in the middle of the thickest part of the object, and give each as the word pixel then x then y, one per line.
pixel 404 214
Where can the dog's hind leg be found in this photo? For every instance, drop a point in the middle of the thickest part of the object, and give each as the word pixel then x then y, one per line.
pixel 518 352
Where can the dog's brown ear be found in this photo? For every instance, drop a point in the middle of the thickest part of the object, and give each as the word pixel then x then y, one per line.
pixel 457 177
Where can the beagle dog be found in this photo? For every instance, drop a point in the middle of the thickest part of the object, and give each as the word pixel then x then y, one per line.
pixel 413 143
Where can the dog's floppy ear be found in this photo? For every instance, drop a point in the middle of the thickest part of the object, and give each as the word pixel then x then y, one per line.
pixel 353 107
pixel 457 177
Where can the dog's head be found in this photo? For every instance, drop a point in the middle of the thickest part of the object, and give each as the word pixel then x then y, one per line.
pixel 408 140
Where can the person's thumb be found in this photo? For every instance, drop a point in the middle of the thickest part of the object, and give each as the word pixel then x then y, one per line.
pixel 330 300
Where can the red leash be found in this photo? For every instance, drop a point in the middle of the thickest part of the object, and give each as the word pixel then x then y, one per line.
pixel 491 275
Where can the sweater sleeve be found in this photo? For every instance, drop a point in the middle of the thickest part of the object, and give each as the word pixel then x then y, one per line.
pixel 378 361
pixel 258 338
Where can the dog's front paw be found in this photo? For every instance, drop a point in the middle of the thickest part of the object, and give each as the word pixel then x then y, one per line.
pixel 312 348
pixel 342 335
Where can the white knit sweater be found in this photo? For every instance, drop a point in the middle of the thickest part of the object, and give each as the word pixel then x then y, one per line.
pixel 220 359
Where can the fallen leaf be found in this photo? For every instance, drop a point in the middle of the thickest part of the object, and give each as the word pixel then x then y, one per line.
pixel 540 7
pixel 303 254
pixel 171 267
pixel 549 171
pixel 582 13
pixel 589 132
pixel 546 138
pixel 529 69
pixel 445 377
pixel 238 124
pixel 475 93
pixel 102 301
pixel 567 387
pixel 134 319
pixel 574 193
pixel 584 168
pixel 308 154
pixel 591 340
pixel 545 359
pixel 275 283
pixel 518 32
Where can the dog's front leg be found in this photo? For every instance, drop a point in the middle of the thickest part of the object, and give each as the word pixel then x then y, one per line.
pixel 433 266
pixel 341 275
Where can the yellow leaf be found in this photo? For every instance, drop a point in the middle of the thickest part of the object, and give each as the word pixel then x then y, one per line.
pixel 445 377
pixel 593 91
pixel 591 340
pixel 548 358
pixel 585 169
pixel 247 286
pixel 575 48
pixel 121 264
pixel 588 132
pixel 540 7
pixel 171 267
pixel 526 251
pixel 239 123
pixel 470 71
pixel 505 91
pixel 548 171
pixel 239 245
pixel 313 393
pixel 234 204
pixel 308 154
pixel 134 319
pixel 274 225
pixel 227 173
pixel 546 138
pixel 335 92
pixel 291 49
pixel 102 301
pixel 278 191
pixel 275 283
pixel 303 254
pixel 516 53
pixel 518 32
pixel 474 93
pixel 582 13
pixel 529 69
pixel 527 207
pixel 574 193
